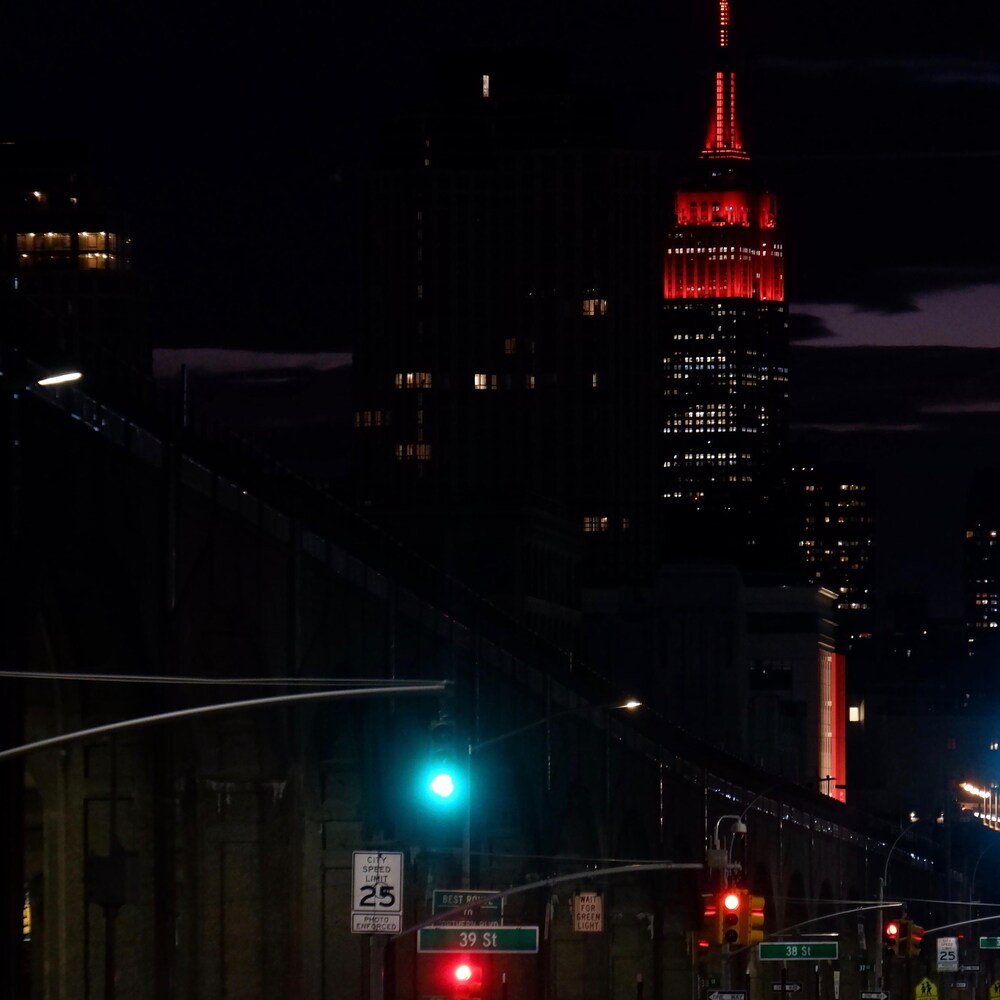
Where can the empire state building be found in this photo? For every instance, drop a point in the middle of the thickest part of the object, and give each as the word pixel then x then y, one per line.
pixel 725 346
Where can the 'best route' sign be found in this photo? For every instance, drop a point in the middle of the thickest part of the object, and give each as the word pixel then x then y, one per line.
pixel 489 912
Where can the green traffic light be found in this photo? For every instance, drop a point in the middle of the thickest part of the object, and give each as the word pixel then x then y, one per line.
pixel 442 785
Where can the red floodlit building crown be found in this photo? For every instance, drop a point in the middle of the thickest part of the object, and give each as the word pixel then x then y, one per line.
pixel 724 243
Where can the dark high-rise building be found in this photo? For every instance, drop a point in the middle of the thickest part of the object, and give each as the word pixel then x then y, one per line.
pixel 982 565
pixel 503 396
pixel 725 346
pixel 836 540
pixel 68 295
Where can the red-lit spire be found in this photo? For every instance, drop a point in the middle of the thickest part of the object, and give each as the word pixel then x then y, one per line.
pixel 724 243
pixel 724 140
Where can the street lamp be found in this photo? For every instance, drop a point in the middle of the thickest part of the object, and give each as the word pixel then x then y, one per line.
pixel 61 378
pixel 629 704
pixel 722 857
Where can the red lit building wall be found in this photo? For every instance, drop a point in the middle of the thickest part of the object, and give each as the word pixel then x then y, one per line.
pixel 838 725
pixel 832 724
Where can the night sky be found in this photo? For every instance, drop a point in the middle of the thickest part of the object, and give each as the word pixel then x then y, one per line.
pixel 235 136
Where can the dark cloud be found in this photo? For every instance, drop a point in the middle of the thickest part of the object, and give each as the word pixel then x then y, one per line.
pixel 884 387
pixel 803 327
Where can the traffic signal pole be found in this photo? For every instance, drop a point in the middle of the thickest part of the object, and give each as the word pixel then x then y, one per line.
pixel 880 946
pixel 467 823
pixel 881 903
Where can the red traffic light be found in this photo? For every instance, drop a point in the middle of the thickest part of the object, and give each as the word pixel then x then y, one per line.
pixel 466 976
pixel 731 903
pixel 466 982
pixel 892 929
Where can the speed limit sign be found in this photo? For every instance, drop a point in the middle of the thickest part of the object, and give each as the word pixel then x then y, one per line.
pixel 947 954
pixel 377 892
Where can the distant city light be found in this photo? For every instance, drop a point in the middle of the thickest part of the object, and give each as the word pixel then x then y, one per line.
pixel 974 789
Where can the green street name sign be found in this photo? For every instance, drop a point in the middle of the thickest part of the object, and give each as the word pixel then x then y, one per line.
pixel 493 940
pixel 791 951
pixel 989 942
pixel 448 899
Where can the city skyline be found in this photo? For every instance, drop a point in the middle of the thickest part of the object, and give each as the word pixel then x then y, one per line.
pixel 273 117
pixel 867 129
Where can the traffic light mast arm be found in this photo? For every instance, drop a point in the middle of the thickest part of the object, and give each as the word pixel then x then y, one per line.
pixel 80 735
pixel 641 866
pixel 830 916
pixel 962 923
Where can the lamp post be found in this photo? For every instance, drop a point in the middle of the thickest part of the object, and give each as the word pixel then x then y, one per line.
pixel 722 857
pixel 975 870
pixel 474 748
pixel 881 901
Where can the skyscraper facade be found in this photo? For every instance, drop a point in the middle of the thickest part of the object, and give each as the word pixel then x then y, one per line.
pixel 503 398
pixel 836 540
pixel 981 551
pixel 725 369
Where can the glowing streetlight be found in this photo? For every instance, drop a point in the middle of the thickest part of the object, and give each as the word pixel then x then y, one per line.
pixel 61 378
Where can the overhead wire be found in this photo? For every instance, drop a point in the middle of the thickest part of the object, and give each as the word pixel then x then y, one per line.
pixel 245 681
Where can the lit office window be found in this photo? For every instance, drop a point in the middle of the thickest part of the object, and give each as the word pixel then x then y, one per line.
pixel 413 380
pixel 96 262
pixel 97 241
pixel 43 241
pixel 418 451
